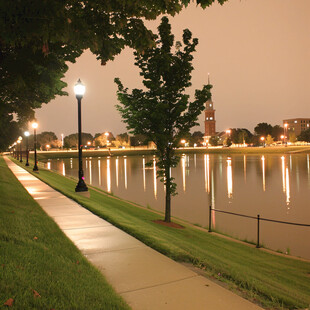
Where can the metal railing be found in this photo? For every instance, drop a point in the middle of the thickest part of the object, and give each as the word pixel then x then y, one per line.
pixel 257 218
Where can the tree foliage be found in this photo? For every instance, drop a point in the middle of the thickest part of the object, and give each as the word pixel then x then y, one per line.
pixel 263 129
pixel 304 136
pixel 72 141
pixel 163 112
pixel 240 135
pixel 47 137
pixel 197 137
pixel 103 139
pixel 214 140
pixel 276 132
pixel 269 140
pixel 37 39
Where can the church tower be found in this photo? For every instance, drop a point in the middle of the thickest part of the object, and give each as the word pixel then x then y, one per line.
pixel 209 117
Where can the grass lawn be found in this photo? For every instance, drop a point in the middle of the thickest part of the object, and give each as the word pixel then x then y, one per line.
pixel 275 281
pixel 40 268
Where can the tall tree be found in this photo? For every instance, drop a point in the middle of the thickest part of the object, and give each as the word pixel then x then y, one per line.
pixel 72 140
pixel 197 137
pixel 122 139
pixel 304 136
pixel 269 140
pixel 276 132
pixel 263 129
pixel 163 112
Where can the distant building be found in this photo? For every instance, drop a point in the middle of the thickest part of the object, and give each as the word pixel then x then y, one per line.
pixel 297 125
pixel 209 119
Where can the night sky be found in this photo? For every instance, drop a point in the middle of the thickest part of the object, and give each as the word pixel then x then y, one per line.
pixel 257 53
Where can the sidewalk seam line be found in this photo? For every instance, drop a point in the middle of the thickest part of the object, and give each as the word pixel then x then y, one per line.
pixel 157 285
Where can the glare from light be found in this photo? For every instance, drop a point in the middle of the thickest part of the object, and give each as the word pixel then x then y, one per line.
pixel 79 88
pixel 35 125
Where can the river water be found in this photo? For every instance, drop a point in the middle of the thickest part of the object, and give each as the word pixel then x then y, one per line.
pixel 274 186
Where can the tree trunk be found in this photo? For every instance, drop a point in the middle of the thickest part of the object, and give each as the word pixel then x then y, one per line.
pixel 168 195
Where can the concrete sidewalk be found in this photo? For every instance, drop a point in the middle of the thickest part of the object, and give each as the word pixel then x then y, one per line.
pixel 146 279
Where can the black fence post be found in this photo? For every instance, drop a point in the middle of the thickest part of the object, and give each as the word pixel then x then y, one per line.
pixel 210 210
pixel 257 243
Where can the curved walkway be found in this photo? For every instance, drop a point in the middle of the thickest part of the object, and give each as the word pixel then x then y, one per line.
pixel 146 279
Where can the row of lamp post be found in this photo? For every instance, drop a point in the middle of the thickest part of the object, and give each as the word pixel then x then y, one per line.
pixel 20 152
pixel 79 90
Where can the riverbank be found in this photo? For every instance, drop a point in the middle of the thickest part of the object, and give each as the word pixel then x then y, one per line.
pixel 229 262
pixel 44 155
pixel 40 268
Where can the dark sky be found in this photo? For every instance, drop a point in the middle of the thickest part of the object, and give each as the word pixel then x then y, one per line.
pixel 257 53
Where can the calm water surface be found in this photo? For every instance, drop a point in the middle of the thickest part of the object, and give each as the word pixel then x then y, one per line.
pixel 274 186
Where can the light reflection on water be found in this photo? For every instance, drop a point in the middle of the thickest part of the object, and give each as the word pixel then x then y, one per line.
pixel 274 186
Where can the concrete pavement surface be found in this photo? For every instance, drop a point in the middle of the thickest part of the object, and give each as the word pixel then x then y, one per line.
pixel 146 279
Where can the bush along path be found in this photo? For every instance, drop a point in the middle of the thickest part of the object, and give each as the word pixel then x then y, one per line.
pixel 275 281
pixel 40 268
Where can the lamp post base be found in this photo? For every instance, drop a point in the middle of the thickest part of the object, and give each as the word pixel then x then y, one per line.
pixel 35 168
pixel 81 186
pixel 27 164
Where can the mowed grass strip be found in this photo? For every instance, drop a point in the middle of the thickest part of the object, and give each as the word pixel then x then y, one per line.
pixel 40 268
pixel 275 281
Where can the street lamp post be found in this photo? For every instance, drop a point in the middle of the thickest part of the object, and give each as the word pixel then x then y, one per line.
pixel 26 133
pixel 20 149
pixel 18 157
pixel 79 90
pixel 263 140
pixel 15 152
pixel 35 126
pixel 285 133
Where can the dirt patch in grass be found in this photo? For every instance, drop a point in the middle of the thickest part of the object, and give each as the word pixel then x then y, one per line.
pixel 171 224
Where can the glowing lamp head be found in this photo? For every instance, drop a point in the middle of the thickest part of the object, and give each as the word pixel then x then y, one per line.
pixel 183 141
pixel 262 138
pixel 26 133
pixel 18 141
pixel 106 133
pixel 228 131
pixel 79 89
pixel 34 125
pixel 20 138
pixel 285 125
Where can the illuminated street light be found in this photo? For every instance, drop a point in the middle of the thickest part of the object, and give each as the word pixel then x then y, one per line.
pixel 35 126
pixel 19 141
pixel 183 142
pixel 285 132
pixel 263 140
pixel 79 90
pixel 47 146
pixel 27 134
pixel 20 149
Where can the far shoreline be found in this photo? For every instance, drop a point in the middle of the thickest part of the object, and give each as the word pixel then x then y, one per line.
pixel 136 151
